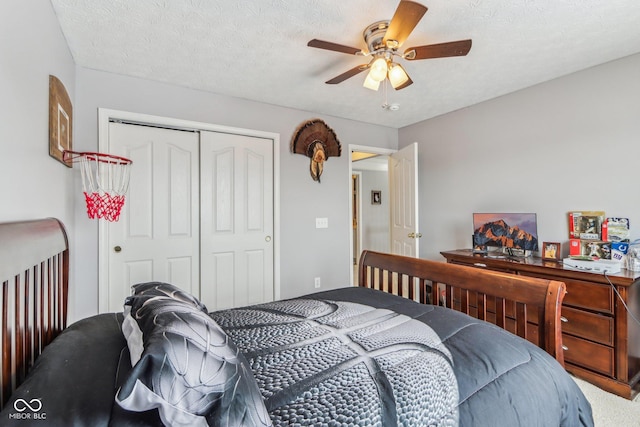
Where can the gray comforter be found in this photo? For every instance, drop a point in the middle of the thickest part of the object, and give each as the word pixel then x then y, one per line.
pixel 360 357
pixel 348 357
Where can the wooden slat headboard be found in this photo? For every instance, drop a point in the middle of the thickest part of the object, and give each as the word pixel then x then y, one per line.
pixel 516 303
pixel 34 272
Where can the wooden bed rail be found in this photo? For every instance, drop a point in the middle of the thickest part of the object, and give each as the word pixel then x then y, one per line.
pixel 34 272
pixel 527 306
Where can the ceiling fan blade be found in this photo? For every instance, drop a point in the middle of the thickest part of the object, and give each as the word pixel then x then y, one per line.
pixel 404 20
pixel 440 50
pixel 405 84
pixel 344 76
pixel 321 44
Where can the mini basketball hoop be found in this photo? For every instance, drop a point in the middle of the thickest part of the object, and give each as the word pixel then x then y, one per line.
pixel 105 180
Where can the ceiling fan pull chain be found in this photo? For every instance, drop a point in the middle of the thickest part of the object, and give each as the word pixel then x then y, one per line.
pixel 386 100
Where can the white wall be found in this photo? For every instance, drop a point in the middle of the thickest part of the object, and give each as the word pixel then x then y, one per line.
pixel 567 144
pixel 31 48
pixel 33 184
pixel 306 252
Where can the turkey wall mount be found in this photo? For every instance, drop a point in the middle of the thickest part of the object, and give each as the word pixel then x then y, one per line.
pixel 317 141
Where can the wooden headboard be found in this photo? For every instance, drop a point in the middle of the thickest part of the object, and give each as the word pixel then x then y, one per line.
pixel 527 306
pixel 34 271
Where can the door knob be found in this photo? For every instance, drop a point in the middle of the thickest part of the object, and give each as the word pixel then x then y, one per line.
pixel 415 235
pixel 117 248
pixel 267 239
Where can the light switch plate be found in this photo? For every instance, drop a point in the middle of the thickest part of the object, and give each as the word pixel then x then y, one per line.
pixel 322 222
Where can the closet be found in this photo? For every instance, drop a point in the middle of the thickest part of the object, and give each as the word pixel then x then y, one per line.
pixel 199 214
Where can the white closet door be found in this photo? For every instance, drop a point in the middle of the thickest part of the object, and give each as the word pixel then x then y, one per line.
pixel 157 236
pixel 236 220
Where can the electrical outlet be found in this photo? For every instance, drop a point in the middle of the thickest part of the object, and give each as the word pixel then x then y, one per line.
pixel 316 282
pixel 322 222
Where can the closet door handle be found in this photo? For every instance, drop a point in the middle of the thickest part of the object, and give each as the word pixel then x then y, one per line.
pixel 117 249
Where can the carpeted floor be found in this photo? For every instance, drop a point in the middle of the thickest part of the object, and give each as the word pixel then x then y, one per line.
pixel 608 409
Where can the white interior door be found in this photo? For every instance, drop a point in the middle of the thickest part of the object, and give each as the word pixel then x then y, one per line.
pixel 236 220
pixel 157 236
pixel 403 182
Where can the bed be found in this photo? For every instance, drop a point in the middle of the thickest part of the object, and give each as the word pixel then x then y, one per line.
pixel 375 354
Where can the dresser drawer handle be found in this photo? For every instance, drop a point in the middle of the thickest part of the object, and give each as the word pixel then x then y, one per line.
pixel 564 319
pixel 479 264
pixel 565 348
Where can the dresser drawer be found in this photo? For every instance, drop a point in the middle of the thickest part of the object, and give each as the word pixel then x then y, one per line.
pixel 589 355
pixel 594 327
pixel 589 295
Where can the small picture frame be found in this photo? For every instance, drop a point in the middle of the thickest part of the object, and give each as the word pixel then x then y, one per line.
pixel 551 251
pixel 376 197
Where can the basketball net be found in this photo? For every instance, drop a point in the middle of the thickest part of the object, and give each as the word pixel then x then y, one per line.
pixel 105 181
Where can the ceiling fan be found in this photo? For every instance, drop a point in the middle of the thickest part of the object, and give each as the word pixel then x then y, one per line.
pixel 383 39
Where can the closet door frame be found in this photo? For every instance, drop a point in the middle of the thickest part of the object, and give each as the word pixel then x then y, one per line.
pixel 107 115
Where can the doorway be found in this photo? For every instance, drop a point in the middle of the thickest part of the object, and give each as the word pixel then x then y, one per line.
pixel 367 166
pixel 400 202
pixel 372 203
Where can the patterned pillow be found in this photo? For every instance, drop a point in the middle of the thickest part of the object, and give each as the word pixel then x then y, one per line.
pixel 142 291
pixel 189 369
pixel 161 289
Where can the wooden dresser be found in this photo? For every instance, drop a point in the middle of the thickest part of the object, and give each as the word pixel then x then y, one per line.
pixel 601 340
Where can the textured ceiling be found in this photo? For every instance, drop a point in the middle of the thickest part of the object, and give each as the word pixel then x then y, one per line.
pixel 257 49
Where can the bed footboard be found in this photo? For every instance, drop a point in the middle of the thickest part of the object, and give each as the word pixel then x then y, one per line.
pixel 527 306
pixel 34 272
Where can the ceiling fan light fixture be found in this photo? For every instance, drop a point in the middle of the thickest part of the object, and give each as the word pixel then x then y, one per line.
pixel 378 70
pixel 370 83
pixel 383 39
pixel 397 75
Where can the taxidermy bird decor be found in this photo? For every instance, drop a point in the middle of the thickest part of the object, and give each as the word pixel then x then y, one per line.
pixel 317 141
